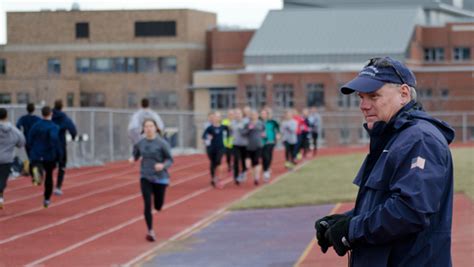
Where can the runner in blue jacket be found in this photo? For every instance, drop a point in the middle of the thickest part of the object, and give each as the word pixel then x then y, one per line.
pixel 45 152
pixel 65 124
pixel 403 211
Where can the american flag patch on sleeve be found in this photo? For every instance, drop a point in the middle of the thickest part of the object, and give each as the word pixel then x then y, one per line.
pixel 418 162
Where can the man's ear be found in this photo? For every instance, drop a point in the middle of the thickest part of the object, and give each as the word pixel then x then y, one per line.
pixel 405 94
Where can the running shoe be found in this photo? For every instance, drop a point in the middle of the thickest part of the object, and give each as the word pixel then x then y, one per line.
pixel 46 203
pixel 1 203
pixel 151 236
pixel 36 176
pixel 58 192
pixel 266 176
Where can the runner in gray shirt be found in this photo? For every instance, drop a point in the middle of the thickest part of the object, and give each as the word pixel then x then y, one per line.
pixel 154 178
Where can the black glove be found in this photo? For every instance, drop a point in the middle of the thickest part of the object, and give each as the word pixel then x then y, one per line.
pixel 321 226
pixel 338 235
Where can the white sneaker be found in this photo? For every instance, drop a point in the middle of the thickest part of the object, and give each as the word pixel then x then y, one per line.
pixel 244 177
pixel 58 192
pixel 151 236
pixel 266 176
pixel 1 203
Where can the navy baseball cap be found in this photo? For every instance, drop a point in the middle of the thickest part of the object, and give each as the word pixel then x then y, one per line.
pixel 378 72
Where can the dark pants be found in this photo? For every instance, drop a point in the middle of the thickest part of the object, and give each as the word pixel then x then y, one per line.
pixel 290 152
pixel 228 157
pixel 215 156
pixel 62 168
pixel 315 142
pixel 304 145
pixel 47 168
pixel 158 191
pixel 267 156
pixel 240 154
pixel 4 173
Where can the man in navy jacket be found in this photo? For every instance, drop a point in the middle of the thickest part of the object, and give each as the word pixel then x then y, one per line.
pixel 65 124
pixel 45 151
pixel 403 211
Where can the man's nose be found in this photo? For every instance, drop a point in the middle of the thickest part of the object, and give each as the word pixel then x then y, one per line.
pixel 364 104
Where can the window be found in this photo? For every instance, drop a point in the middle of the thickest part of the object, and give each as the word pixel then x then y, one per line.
pixel 283 95
pixel 101 65
pixel 461 53
pixel 167 64
pixel 155 28
pixel 82 30
pixel 315 94
pixel 222 98
pixel 92 100
pixel 424 93
pixel 444 93
pixel 163 100
pixel 83 65
pixel 54 66
pixel 256 96
pixel 434 54
pixel 5 98
pixel 70 99
pixel 344 135
pixel 132 100
pixel 22 98
pixel 131 66
pixel 348 101
pixel 146 64
pixel 3 66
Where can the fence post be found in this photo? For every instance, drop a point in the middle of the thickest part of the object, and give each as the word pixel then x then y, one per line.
pixel 181 132
pixel 464 128
pixel 92 137
pixel 111 136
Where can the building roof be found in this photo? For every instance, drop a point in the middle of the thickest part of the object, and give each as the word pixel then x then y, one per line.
pixel 296 36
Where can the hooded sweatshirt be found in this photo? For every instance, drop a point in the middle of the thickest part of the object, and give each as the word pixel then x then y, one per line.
pixel 65 124
pixel 10 137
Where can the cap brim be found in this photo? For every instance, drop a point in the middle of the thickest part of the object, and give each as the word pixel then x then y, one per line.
pixel 361 84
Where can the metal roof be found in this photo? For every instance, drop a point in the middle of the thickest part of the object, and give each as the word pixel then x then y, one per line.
pixel 314 35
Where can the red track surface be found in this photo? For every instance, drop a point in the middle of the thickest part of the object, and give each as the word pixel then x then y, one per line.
pixel 99 220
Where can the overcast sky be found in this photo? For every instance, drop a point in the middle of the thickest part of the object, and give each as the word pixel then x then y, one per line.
pixel 242 13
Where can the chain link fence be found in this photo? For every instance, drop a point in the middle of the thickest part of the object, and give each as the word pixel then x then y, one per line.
pixel 103 132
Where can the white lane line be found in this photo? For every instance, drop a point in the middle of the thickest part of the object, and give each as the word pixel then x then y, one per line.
pixel 82 214
pixel 113 229
pixel 111 176
pixel 201 224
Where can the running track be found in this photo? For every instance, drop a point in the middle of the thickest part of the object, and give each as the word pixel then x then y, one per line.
pixel 99 221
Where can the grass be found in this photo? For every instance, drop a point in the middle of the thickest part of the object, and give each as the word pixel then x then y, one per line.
pixel 329 180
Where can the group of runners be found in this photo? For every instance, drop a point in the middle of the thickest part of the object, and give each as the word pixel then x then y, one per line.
pixel 247 138
pixel 44 139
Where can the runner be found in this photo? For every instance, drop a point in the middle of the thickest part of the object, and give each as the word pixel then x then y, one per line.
pixel 228 142
pixel 214 135
pixel 10 137
pixel 256 129
pixel 270 137
pixel 156 159
pixel 289 138
pixel 25 123
pixel 45 152
pixel 241 141
pixel 65 124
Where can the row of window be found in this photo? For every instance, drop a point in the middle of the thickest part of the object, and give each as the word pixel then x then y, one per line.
pixel 24 98
pixel 112 65
pixel 433 54
pixel 158 100
pixel 283 96
pixel 127 64
pixel 142 29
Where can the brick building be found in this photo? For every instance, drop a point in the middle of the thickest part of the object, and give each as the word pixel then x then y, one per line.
pixel 103 58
